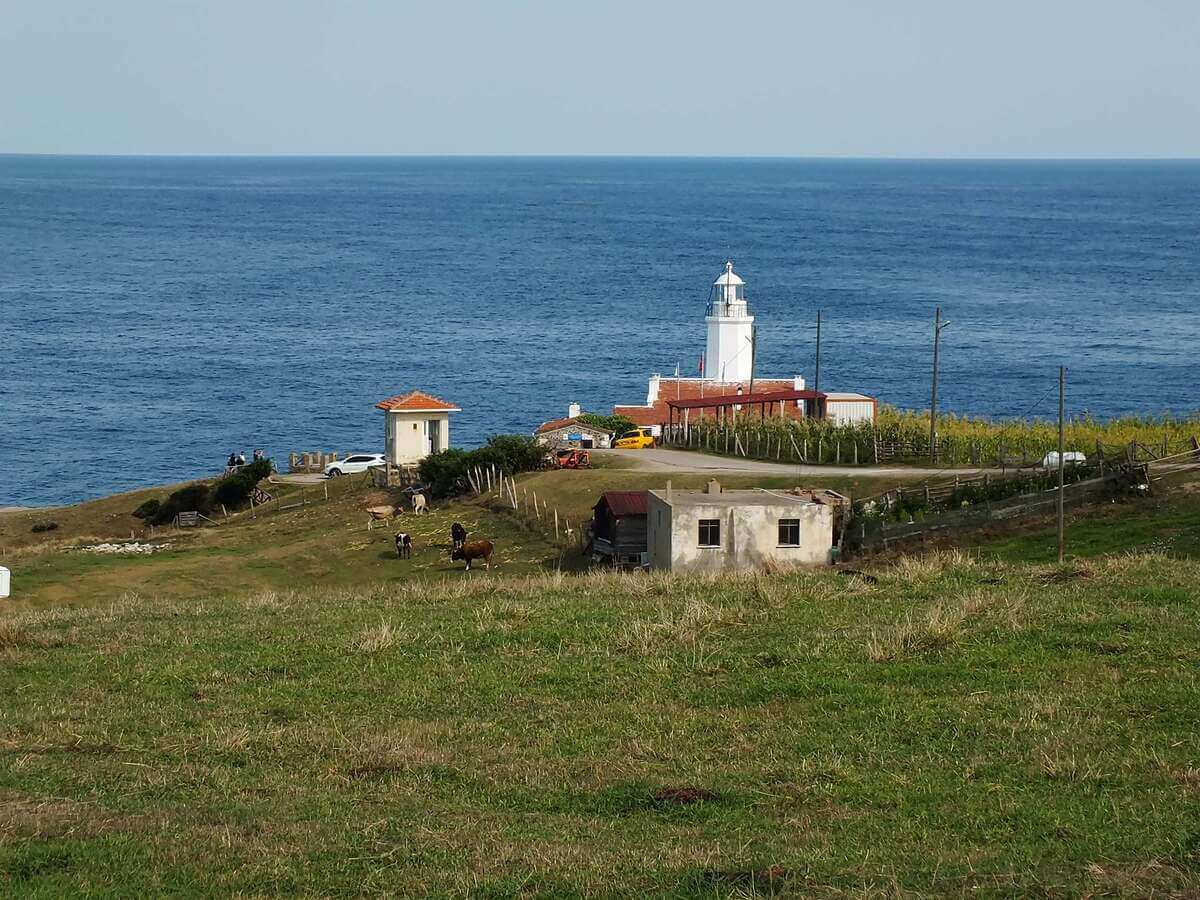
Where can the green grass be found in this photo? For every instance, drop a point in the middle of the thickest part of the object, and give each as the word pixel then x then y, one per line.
pixel 955 727
pixel 324 543
pixel 1168 524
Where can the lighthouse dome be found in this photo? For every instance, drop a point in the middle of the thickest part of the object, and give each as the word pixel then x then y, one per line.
pixel 728 277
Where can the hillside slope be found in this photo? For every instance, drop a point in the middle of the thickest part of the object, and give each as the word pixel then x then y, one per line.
pixel 941 726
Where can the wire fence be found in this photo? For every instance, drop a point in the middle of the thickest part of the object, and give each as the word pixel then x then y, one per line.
pixel 809 442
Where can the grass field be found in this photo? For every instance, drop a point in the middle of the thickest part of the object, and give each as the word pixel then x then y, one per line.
pixel 943 726
pixel 1167 523
pixel 322 543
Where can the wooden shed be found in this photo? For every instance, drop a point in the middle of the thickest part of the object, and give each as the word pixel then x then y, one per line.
pixel 619 528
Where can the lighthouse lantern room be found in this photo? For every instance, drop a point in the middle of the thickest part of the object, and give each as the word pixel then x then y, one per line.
pixel 729 353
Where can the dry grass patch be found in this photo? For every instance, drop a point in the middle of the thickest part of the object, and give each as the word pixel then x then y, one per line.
pixel 391 753
pixel 930 629
pixel 1150 879
pixel 377 638
pixel 13 634
pixel 24 815
pixel 932 565
pixel 685 626
pixel 1060 763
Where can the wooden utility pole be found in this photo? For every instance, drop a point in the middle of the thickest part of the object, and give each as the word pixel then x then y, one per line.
pixel 817 367
pixel 1062 386
pixel 938 325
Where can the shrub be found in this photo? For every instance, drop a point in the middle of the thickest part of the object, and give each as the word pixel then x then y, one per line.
pixel 615 424
pixel 44 526
pixel 514 452
pixel 235 489
pixel 443 471
pixel 197 496
pixel 446 472
pixel 148 510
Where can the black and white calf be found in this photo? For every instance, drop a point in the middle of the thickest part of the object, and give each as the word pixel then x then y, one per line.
pixel 403 544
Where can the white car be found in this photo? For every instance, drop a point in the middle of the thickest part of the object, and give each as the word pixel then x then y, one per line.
pixel 359 462
pixel 1069 458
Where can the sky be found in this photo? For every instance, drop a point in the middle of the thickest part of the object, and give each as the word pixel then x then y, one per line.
pixel 918 78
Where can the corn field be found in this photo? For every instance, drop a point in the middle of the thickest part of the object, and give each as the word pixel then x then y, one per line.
pixel 901 436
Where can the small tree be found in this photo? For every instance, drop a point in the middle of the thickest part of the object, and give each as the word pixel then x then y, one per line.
pixel 615 424
pixel 197 496
pixel 444 471
pixel 235 489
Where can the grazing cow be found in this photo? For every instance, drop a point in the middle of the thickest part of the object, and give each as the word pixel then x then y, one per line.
pixel 474 550
pixel 419 504
pixel 458 535
pixel 403 545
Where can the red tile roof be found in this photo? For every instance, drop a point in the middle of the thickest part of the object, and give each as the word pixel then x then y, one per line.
pixel 555 423
pixel 573 420
pixel 722 400
pixel 692 388
pixel 416 401
pixel 643 415
pixel 624 503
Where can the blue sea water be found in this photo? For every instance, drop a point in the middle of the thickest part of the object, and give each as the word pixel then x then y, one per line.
pixel 157 313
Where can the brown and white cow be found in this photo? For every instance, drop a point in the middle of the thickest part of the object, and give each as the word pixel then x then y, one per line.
pixel 474 550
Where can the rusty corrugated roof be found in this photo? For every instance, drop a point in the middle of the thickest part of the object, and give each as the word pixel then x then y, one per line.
pixel 624 503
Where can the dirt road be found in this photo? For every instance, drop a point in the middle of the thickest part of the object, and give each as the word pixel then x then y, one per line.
pixel 663 460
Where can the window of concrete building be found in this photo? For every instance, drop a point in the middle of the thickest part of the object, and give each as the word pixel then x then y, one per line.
pixel 789 532
pixel 710 532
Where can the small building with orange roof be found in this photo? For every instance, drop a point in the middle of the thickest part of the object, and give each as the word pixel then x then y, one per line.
pixel 416 424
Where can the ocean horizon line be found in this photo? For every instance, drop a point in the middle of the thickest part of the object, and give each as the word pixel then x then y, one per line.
pixel 608 156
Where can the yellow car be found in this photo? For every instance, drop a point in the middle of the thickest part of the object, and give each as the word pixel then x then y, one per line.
pixel 638 439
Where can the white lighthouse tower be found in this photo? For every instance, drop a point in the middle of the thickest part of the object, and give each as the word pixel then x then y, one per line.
pixel 729 353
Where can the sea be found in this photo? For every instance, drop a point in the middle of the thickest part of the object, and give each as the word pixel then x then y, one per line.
pixel 158 313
